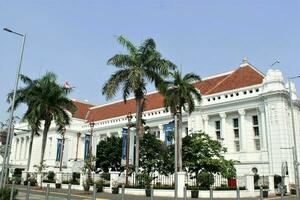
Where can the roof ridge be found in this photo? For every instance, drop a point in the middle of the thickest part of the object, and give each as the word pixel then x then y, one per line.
pixel 222 80
pixel 83 102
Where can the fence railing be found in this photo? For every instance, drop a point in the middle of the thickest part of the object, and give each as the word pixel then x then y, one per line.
pixel 168 181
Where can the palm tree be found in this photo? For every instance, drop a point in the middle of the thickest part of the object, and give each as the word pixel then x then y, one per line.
pixel 46 101
pixel 179 95
pixel 141 65
pixel 35 124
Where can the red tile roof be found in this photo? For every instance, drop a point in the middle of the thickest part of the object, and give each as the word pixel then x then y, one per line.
pixel 241 77
pixel 82 109
pixel 152 101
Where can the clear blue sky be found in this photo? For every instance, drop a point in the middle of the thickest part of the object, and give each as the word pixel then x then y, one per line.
pixel 74 39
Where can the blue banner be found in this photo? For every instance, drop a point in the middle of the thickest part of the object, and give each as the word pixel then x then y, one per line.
pixel 168 129
pixel 86 146
pixel 124 143
pixel 58 149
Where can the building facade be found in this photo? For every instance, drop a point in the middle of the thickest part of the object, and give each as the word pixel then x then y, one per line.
pixel 247 111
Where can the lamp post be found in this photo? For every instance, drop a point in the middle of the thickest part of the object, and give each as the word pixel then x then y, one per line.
pixel 295 154
pixel 92 124
pixel 129 117
pixel 176 116
pixel 5 163
pixel 63 131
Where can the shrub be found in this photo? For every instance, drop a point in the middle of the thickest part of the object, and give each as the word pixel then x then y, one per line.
pixel 17 180
pixel 73 182
pixel 99 185
pixel 75 176
pixel 205 179
pixel 144 180
pixel 51 176
pixel 105 176
pixel 32 180
pixel 5 193
pixel 229 188
pixel 99 182
pixel 256 179
pixel 49 181
pixel 277 180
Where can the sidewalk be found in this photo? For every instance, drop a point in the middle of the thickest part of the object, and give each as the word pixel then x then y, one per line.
pixel 61 194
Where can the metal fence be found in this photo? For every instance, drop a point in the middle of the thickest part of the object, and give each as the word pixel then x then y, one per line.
pixel 168 182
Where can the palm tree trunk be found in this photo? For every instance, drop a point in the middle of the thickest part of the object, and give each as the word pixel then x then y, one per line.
pixel 138 132
pixel 30 150
pixel 44 140
pixel 179 137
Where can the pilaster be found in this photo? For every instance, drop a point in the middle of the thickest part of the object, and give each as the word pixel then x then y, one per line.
pixel 205 119
pixel 223 128
pixel 162 133
pixel 242 132
pixel 263 130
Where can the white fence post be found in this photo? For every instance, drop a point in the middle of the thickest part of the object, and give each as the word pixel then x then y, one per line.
pixel 250 182
pixel 82 179
pixel 114 177
pixel 181 183
pixel 271 184
pixel 39 179
pixel 24 176
pixel 58 178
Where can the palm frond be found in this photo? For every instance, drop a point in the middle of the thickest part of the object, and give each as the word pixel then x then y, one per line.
pixel 121 61
pixel 111 87
pixel 126 43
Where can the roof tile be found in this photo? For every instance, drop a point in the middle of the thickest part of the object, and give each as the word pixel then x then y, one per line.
pixel 242 77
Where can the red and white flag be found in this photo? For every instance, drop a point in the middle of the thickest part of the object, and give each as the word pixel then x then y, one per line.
pixel 67 85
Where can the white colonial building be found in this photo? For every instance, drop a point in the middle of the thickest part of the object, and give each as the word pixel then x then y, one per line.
pixel 248 111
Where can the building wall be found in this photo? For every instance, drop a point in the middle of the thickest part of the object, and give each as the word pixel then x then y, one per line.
pixel 268 101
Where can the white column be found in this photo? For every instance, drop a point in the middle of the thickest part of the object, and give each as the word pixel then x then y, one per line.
pixel 223 128
pixel 120 133
pixel 205 118
pixel 162 133
pixel 26 147
pixel 242 133
pixel 262 129
pixel 21 149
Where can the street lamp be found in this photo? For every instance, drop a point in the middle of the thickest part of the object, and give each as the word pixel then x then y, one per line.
pixel 295 154
pixel 63 131
pixel 92 124
pixel 176 116
pixel 5 163
pixel 129 117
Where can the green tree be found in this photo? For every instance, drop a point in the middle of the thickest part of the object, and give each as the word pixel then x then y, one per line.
pixel 179 94
pixel 151 150
pixel 142 64
pixel 153 155
pixel 109 153
pixel 46 100
pixel 203 156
